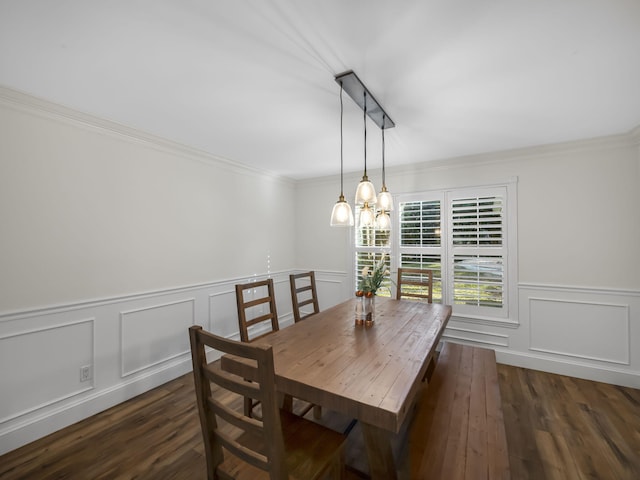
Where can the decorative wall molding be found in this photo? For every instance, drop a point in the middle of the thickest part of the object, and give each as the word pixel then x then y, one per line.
pixel 479 337
pixel 151 335
pixel 136 342
pixel 60 113
pixel 552 320
pixel 118 299
pixel 621 140
pixel 580 289
pixel 213 305
pixel 586 332
pixel 570 367
pixel 33 353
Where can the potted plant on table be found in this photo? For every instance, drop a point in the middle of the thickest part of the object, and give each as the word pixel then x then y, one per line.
pixel 370 281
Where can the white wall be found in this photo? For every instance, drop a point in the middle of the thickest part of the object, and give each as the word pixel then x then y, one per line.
pixel 578 309
pixel 112 243
pixel 90 212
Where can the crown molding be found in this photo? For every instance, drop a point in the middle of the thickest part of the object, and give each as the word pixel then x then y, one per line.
pixel 35 105
pixel 38 106
pixel 623 140
pixel 608 142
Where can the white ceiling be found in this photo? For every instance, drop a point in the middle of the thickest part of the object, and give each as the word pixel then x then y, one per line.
pixel 253 81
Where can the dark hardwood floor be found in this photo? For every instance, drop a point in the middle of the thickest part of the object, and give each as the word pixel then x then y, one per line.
pixel 557 428
pixel 566 428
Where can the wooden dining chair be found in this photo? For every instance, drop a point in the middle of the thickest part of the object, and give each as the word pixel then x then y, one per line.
pixel 418 283
pixel 251 312
pixel 251 309
pixel 303 293
pixel 280 445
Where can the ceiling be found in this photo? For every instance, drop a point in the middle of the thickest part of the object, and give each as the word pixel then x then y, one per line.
pixel 253 81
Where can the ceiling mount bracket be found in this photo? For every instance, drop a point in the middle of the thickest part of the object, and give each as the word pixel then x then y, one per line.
pixel 356 90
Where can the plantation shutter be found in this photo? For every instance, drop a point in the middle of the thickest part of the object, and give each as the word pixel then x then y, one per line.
pixel 420 238
pixel 477 250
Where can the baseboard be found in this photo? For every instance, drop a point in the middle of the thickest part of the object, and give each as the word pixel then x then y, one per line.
pixel 571 369
pixel 37 427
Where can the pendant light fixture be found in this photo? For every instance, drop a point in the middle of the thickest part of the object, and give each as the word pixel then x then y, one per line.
pixel 341 216
pixel 385 200
pixel 366 192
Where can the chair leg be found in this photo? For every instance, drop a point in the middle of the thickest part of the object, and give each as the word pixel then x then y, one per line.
pixel 287 403
pixel 317 412
pixel 248 406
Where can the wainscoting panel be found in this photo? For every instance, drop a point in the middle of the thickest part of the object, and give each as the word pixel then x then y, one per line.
pixel 154 334
pixel 45 366
pixel 223 314
pixel 591 333
pixel 128 345
pixel 481 338
pixel 587 330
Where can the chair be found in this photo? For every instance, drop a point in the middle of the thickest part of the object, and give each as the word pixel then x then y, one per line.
pixel 281 446
pixel 245 308
pixel 415 279
pixel 246 320
pixel 303 293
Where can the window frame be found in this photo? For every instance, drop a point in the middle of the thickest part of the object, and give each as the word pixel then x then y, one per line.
pixel 507 314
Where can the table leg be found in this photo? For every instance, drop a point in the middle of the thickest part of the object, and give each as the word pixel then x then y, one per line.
pixel 378 445
pixel 286 402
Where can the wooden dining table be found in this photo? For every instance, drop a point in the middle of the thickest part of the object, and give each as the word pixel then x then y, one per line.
pixel 371 374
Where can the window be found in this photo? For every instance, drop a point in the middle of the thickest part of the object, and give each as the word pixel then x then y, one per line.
pixel 370 245
pixel 477 253
pixel 468 239
pixel 420 238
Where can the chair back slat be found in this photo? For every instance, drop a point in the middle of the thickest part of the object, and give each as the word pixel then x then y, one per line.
pixel 246 454
pixel 230 382
pixel 235 418
pixel 303 293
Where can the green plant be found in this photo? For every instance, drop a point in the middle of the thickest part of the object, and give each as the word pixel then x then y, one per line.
pixel 372 278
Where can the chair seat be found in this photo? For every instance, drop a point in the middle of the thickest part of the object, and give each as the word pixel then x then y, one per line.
pixel 300 437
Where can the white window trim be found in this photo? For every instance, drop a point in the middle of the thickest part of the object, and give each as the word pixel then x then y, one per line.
pixel 509 312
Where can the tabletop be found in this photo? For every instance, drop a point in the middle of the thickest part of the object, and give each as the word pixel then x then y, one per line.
pixel 369 373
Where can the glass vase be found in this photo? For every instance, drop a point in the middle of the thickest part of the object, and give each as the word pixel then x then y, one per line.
pixel 369 310
pixel 365 310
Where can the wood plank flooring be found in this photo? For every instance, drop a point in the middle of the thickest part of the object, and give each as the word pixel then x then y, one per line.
pixel 566 428
pixel 557 428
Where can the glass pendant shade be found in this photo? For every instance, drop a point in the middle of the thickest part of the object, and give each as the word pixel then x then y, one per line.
pixel 366 216
pixel 341 216
pixel 385 200
pixel 366 192
pixel 383 221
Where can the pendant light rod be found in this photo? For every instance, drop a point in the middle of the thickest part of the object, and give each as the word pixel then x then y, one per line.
pixel 363 98
pixel 384 184
pixel 341 147
pixel 365 134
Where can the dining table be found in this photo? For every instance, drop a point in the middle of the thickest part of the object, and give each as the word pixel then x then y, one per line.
pixel 368 373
